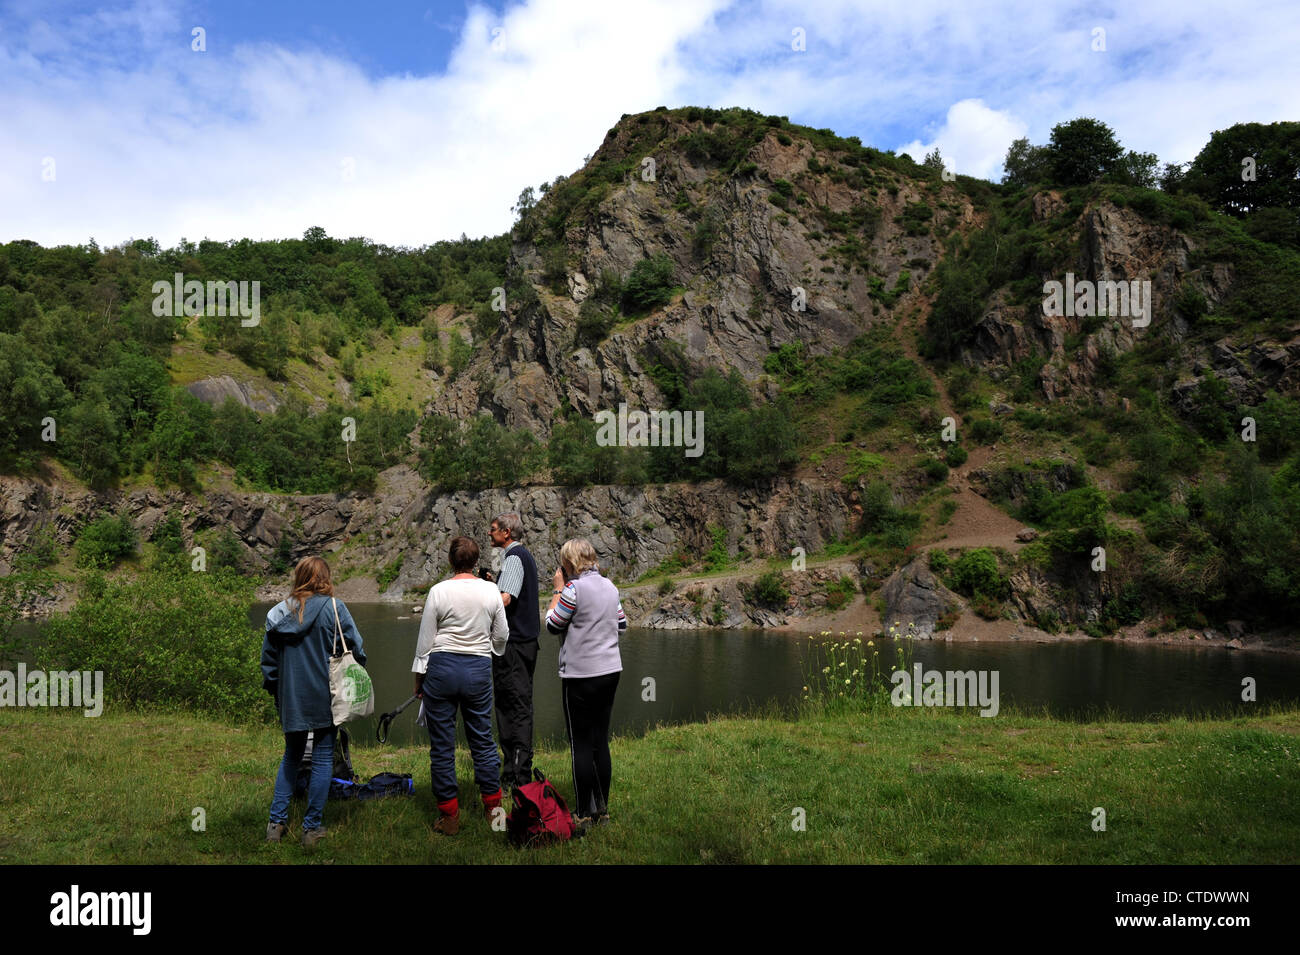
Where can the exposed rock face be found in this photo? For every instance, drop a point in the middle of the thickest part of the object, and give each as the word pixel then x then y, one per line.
pixel 724 603
pixel 913 595
pixel 1119 245
pixel 215 391
pixel 1249 373
pixel 632 528
pixel 738 301
pixel 1032 598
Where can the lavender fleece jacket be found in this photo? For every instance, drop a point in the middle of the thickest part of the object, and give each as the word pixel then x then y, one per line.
pixel 588 619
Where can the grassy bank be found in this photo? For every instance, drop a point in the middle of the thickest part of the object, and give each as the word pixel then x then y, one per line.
pixel 912 786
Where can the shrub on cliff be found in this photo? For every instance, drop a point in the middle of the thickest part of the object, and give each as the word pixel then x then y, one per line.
pixel 106 541
pixel 976 574
pixel 648 286
pixel 768 590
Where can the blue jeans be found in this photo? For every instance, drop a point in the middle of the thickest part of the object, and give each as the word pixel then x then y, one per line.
pixel 322 768
pixel 460 681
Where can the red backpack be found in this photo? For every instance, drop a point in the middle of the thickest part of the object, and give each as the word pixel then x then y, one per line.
pixel 538 815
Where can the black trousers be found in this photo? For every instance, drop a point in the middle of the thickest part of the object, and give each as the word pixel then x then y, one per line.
pixel 512 686
pixel 588 703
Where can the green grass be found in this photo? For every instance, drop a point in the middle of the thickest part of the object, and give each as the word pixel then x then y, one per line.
pixel 886 785
pixel 408 388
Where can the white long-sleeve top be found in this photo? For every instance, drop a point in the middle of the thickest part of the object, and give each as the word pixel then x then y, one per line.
pixel 461 616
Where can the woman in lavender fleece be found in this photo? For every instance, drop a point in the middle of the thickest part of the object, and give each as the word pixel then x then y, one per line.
pixel 586 614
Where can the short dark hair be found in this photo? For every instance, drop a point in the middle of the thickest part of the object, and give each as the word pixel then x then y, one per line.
pixel 463 555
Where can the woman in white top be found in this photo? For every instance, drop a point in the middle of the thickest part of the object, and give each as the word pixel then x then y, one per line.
pixel 464 623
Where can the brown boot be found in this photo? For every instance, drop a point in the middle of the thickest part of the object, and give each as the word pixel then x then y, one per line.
pixel 448 824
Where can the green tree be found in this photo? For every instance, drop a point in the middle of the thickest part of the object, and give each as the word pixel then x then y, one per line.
pixel 459 352
pixel 1137 169
pixel 227 553
pixel 475 456
pixel 89 442
pixel 1025 165
pixel 1173 177
pixel 523 209
pixel 169 544
pixel 1218 174
pixel 182 438
pixel 1082 151
pixel 166 639
pixel 1279 226
pixel 576 459
pixel 29 392
pixel 975 573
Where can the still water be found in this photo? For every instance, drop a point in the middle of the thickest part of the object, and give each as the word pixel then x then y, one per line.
pixel 696 673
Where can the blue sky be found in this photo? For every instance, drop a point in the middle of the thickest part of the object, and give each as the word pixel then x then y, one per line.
pixel 411 122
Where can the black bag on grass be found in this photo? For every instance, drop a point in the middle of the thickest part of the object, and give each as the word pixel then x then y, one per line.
pixel 383 784
pixel 342 762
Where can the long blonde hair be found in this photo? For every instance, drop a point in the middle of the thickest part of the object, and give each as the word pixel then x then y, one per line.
pixel 310 577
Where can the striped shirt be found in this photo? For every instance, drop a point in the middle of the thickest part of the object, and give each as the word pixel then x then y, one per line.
pixel 511 579
pixel 558 620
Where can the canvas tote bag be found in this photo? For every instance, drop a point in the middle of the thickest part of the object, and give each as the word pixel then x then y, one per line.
pixel 351 695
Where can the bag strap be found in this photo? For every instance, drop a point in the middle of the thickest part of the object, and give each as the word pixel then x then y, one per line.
pixel 338 631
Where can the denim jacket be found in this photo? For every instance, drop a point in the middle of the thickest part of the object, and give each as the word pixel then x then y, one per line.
pixel 295 659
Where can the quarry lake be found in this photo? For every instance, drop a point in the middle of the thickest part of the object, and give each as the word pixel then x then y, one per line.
pixel 697 673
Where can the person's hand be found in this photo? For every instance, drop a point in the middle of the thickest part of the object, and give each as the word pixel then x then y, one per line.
pixel 558 580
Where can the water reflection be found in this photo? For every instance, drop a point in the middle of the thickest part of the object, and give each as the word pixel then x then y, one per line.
pixel 697 673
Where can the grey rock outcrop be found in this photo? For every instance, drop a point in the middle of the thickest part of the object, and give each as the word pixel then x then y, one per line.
pixel 215 391
pixel 913 595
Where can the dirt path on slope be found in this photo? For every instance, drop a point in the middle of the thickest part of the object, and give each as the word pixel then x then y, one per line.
pixel 976 522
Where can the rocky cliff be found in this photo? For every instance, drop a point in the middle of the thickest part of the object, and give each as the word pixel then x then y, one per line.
pixel 774 235
pixel 634 529
pixel 738 256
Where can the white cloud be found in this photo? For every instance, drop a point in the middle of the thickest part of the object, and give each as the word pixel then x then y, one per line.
pixel 257 142
pixel 249 139
pixel 973 139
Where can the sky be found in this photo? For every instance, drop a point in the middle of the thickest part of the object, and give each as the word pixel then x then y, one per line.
pixel 413 122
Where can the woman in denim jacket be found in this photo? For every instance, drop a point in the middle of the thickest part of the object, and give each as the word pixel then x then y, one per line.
pixel 300 634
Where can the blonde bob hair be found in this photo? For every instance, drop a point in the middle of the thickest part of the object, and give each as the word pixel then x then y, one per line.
pixel 577 555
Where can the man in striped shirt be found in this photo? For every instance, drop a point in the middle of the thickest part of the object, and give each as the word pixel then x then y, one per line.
pixel 512 672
